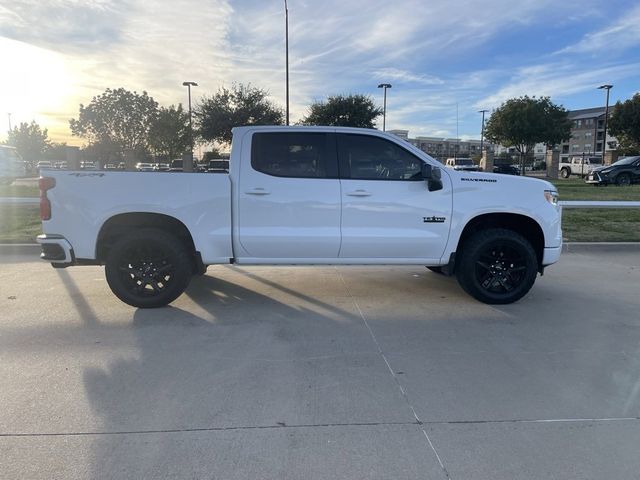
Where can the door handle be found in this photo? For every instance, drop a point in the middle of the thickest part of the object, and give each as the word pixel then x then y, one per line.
pixel 359 193
pixel 258 191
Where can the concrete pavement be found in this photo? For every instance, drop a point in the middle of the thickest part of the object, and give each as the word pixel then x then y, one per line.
pixel 296 372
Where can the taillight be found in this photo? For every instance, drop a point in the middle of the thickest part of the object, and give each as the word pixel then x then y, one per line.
pixel 45 183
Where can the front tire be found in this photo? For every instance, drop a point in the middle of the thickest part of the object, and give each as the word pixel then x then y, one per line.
pixel 565 173
pixel 497 266
pixel 148 268
pixel 623 180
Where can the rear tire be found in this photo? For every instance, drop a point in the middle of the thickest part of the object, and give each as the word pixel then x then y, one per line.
pixel 148 268
pixel 497 266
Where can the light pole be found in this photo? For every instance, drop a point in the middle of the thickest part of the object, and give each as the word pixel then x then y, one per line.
pixel 189 85
pixel 482 130
pixel 9 115
pixel 286 43
pixel 606 118
pixel 384 86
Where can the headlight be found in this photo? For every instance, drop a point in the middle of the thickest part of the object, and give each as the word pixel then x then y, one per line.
pixel 551 196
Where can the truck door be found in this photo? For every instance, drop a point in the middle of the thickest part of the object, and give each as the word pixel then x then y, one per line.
pixel 387 209
pixel 289 196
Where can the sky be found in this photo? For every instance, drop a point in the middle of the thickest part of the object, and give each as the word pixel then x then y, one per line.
pixel 441 56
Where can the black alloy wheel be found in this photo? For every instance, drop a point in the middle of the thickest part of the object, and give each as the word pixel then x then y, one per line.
pixel 623 180
pixel 148 268
pixel 498 266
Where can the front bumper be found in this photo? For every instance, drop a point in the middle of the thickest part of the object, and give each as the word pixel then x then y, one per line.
pixel 596 179
pixel 56 249
pixel 551 255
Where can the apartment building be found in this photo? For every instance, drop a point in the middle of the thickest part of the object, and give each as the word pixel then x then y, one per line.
pixel 587 134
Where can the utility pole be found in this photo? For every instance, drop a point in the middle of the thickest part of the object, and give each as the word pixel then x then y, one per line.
pixel 286 21
pixel 384 86
pixel 606 118
pixel 9 121
pixel 482 131
pixel 189 85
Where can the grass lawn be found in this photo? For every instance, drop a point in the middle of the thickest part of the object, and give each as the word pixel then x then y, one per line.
pixel 19 223
pixel 576 189
pixel 18 191
pixel 598 224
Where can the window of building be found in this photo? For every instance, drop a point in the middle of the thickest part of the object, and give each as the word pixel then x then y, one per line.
pixel 588 134
pixel 371 158
pixel 301 155
pixel 575 147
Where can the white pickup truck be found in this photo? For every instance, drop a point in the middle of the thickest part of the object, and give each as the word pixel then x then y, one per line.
pixel 303 196
pixel 579 165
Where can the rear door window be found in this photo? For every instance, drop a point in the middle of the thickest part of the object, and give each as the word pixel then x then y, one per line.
pixel 294 154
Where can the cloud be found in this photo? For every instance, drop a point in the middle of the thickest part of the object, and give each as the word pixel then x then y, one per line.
pixel 613 39
pixel 558 79
pixel 435 54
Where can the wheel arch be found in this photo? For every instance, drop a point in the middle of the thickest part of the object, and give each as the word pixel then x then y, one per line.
pixel 521 224
pixel 123 223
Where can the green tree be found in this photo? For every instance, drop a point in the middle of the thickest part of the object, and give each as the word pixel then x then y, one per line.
pixel 169 135
pixel 118 118
pixel 30 141
pixel 522 122
pixel 624 124
pixel 240 105
pixel 343 111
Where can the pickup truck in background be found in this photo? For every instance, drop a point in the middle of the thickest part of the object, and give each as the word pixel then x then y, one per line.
pixel 303 196
pixel 579 165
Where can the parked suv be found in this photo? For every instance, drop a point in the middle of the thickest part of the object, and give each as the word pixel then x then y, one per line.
pixel 623 172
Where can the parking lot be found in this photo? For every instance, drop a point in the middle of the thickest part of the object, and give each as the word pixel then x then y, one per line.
pixel 322 372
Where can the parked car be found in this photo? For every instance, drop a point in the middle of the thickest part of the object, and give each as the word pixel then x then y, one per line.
pixel 144 167
pixel 462 164
pixel 88 165
pixel 161 167
pixel 506 168
pixel 623 172
pixel 176 165
pixel 44 165
pixel 218 166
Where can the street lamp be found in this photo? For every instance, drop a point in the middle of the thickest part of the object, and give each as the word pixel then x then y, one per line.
pixel 384 86
pixel 189 85
pixel 286 42
pixel 606 118
pixel 482 130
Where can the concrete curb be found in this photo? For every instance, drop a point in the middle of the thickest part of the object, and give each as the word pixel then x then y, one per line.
pixel 587 247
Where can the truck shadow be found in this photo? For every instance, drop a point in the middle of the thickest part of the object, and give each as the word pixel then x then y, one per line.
pixel 229 365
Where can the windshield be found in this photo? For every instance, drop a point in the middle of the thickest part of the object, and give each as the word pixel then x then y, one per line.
pixel 626 161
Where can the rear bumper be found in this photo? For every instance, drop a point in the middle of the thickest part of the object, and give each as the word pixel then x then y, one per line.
pixel 56 249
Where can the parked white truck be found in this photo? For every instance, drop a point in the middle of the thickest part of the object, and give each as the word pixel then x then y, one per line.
pixel 579 165
pixel 303 195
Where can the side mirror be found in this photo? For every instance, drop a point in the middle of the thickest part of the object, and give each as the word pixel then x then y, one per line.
pixel 433 176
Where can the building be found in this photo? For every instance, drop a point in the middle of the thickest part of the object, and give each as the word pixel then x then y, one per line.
pixel 587 134
pixel 443 148
pixel 403 134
